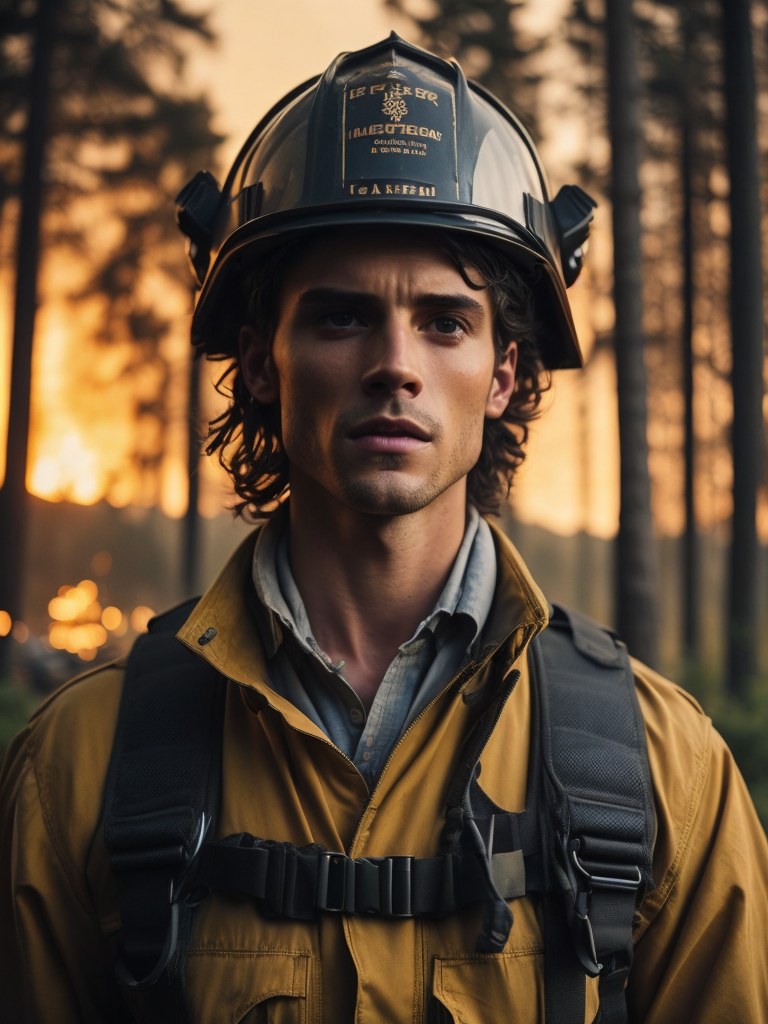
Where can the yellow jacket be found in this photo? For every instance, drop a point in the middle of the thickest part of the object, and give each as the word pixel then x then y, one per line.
pixel 701 950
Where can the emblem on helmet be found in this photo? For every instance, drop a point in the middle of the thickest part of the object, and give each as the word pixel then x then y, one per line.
pixel 394 104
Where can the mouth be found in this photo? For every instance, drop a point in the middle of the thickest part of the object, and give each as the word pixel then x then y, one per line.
pixel 385 427
pixel 384 434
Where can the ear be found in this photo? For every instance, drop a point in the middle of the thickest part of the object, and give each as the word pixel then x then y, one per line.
pixel 257 367
pixel 503 383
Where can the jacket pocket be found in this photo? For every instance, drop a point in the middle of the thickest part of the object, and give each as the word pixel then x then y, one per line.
pixel 486 987
pixel 490 987
pixel 251 987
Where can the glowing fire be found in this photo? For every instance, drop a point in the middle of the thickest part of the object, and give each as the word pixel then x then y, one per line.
pixel 84 427
pixel 81 626
pixel 66 468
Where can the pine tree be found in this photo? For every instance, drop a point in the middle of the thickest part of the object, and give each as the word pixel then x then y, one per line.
pixel 87 120
pixel 747 340
pixel 637 598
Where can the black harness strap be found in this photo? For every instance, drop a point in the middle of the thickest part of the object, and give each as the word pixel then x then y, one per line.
pixel 598 793
pixel 461 830
pixel 565 982
pixel 161 799
pixel 302 882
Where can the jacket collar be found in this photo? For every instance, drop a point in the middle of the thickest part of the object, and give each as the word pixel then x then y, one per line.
pixel 232 630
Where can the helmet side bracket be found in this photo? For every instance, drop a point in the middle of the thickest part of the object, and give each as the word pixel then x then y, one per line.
pixel 572 209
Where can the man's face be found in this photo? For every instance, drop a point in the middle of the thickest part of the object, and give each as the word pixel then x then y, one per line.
pixel 384 366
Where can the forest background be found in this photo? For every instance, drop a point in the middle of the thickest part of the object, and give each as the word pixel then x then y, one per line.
pixel 109 106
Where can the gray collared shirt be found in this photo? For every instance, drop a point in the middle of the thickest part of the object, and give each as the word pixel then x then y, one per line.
pixel 302 673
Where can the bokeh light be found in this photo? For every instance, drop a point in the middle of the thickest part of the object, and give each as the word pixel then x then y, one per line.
pixel 79 623
pixel 111 617
pixel 140 617
pixel 20 632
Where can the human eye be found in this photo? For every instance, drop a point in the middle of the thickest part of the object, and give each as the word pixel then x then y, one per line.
pixel 339 320
pixel 448 326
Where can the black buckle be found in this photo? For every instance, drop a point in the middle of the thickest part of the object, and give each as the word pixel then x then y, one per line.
pixel 395 886
pixel 335 883
pixel 339 877
pixel 588 882
pixel 613 881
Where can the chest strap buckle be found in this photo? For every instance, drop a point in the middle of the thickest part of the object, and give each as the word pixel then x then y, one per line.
pixel 366 886
pixel 335 883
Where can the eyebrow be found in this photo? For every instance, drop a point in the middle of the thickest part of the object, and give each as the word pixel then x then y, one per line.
pixel 441 300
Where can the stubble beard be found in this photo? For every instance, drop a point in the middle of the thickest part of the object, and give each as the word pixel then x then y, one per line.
pixel 388 489
pixel 386 495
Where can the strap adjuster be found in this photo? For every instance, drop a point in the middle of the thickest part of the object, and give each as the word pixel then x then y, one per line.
pixel 604 881
pixel 623 878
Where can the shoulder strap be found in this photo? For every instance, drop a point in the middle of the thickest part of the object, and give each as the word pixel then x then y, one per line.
pixel 597 789
pixel 161 797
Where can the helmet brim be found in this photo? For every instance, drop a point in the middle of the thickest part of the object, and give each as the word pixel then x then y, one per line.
pixel 252 242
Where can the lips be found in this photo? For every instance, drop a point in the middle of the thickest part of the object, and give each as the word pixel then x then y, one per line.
pixel 384 435
pixel 383 426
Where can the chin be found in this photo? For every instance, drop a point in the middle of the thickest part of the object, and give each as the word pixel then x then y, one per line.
pixel 391 498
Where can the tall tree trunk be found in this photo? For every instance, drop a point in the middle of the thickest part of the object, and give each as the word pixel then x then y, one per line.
pixel 690 542
pixel 747 328
pixel 13 494
pixel 637 609
pixel 191 529
pixel 584 568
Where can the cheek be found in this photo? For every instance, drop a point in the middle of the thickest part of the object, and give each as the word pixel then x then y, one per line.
pixel 467 388
pixel 466 414
pixel 308 401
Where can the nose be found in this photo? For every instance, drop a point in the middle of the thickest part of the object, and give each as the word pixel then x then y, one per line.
pixel 393 360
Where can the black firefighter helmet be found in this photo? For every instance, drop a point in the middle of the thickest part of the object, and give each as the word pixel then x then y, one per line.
pixel 390 136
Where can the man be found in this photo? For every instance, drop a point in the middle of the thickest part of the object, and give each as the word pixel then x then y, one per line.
pixel 386 288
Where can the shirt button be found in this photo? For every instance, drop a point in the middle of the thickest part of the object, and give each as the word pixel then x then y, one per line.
pixel 366 755
pixel 356 716
pixel 369 741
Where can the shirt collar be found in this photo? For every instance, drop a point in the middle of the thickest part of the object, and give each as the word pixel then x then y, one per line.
pixel 468 590
pixel 470 586
pixel 266 581
pixel 231 629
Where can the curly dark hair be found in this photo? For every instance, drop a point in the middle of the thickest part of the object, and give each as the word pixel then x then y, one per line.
pixel 246 437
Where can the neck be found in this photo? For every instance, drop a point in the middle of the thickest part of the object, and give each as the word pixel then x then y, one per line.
pixel 368 581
